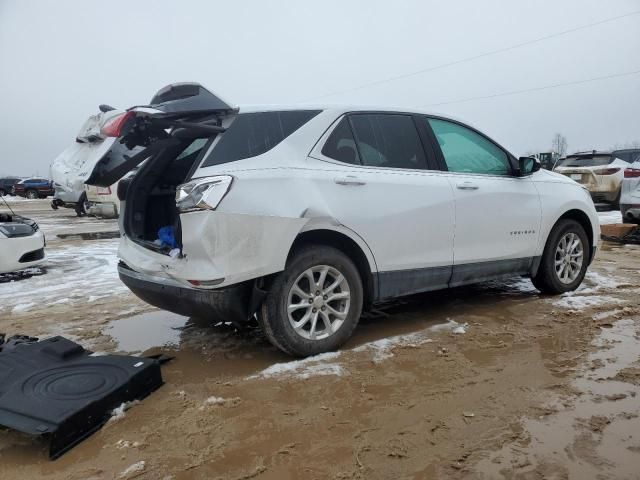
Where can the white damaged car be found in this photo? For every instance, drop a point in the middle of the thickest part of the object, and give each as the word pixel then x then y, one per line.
pixel 306 216
pixel 21 243
pixel 72 167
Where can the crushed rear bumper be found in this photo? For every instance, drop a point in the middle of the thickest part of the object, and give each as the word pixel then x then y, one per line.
pixel 235 303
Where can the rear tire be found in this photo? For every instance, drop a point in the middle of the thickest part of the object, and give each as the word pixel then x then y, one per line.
pixel 3 192
pixel 31 194
pixel 616 202
pixel 81 206
pixel 564 260
pixel 305 317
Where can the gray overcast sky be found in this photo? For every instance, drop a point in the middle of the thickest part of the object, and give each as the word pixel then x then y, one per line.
pixel 60 59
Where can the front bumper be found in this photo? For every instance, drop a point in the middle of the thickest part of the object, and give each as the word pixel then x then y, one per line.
pixel 21 252
pixel 230 304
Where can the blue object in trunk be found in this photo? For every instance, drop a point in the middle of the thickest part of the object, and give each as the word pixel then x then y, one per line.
pixel 167 236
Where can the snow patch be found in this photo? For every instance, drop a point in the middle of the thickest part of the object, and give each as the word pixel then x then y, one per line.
pixel 580 302
pixel 459 330
pixel 607 218
pixel 324 364
pixel 119 412
pixel 584 297
pixel 305 368
pixel 382 349
pixel 135 468
pixel 121 444
pixel 22 307
pixel 219 401
pixel 77 273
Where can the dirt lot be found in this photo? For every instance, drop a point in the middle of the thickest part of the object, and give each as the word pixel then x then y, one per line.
pixel 493 381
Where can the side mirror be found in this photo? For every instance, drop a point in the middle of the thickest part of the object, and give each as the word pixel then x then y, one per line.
pixel 528 165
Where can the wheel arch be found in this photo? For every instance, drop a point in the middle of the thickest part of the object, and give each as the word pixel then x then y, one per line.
pixel 583 219
pixel 350 246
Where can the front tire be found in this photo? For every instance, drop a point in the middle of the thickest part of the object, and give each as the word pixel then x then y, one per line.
pixel 564 260
pixel 314 305
pixel 31 194
pixel 3 192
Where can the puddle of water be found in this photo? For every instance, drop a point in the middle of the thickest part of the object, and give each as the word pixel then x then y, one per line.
pixel 595 435
pixel 142 332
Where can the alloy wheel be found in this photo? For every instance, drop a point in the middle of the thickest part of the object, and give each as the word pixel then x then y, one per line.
pixel 568 258
pixel 318 302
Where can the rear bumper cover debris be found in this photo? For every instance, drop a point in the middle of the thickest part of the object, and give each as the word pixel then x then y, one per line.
pixel 55 388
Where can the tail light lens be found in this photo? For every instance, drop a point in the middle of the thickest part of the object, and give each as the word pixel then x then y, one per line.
pixel 606 171
pixel 113 128
pixel 202 194
pixel 632 173
pixel 103 190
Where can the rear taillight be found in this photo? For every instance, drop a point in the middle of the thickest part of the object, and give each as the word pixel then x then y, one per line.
pixel 113 128
pixel 632 173
pixel 606 171
pixel 103 190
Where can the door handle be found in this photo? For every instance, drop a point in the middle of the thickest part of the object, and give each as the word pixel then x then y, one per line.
pixel 467 186
pixel 349 180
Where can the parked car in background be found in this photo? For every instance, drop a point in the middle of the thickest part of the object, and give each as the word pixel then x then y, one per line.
pixel 70 169
pixel 33 188
pixel 21 243
pixel 102 201
pixel 630 196
pixel 6 185
pixel 629 155
pixel 306 216
pixel 600 172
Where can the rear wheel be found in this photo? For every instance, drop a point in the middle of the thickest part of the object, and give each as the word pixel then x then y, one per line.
pixel 3 192
pixel 31 194
pixel 564 260
pixel 81 206
pixel 616 202
pixel 314 305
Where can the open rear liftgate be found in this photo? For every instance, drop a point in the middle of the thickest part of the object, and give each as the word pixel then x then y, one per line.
pixel 55 388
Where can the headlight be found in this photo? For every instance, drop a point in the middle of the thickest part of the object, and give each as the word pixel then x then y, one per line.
pixel 13 230
pixel 202 194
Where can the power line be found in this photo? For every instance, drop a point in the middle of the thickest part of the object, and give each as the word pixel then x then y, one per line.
pixel 475 57
pixel 535 89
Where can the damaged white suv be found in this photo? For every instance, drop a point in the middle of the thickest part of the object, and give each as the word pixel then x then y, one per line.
pixel 306 216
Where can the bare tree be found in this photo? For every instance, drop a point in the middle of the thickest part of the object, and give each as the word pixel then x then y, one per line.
pixel 559 144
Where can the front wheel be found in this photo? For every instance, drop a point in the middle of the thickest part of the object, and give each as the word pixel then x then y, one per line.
pixel 314 305
pixel 31 194
pixel 3 192
pixel 564 260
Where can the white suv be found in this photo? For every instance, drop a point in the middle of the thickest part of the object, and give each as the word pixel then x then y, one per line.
pixel 306 216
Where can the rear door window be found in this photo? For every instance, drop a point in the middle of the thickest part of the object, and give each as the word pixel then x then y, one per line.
pixel 466 151
pixel 341 145
pixel 388 140
pixel 252 134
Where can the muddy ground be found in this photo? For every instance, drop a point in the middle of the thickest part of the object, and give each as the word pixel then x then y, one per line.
pixel 492 381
